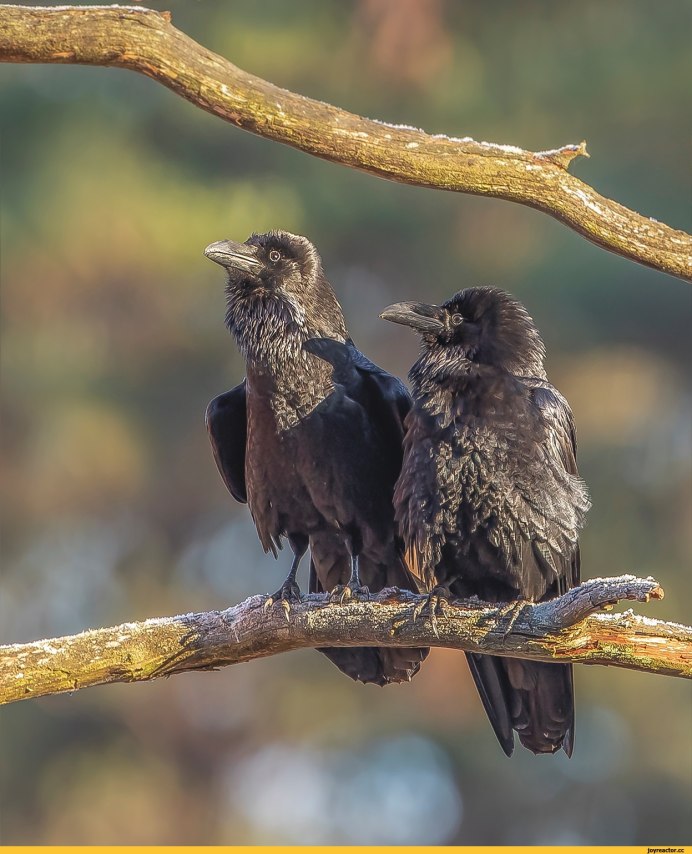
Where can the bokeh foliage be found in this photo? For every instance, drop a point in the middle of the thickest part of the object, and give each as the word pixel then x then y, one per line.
pixel 113 342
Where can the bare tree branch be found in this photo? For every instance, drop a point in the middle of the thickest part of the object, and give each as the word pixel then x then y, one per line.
pixel 560 630
pixel 563 630
pixel 145 41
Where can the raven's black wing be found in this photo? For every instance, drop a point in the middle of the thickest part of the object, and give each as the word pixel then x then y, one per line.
pixel 226 420
pixel 386 402
pixel 389 398
pixel 384 397
pixel 561 444
pixel 561 437
pixel 534 698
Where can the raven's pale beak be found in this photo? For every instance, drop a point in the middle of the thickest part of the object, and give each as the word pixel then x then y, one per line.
pixel 236 256
pixel 424 318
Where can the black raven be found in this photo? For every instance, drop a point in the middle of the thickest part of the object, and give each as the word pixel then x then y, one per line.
pixel 489 498
pixel 312 438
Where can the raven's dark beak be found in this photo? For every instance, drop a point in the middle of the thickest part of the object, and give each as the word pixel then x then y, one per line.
pixel 417 315
pixel 237 256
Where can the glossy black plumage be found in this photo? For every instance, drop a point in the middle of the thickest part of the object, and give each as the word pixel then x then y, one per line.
pixel 312 438
pixel 489 497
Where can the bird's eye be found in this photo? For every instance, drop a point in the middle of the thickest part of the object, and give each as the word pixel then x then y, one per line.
pixel 274 255
pixel 457 319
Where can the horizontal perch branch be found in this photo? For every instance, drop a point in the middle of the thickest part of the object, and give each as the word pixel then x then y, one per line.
pixel 564 629
pixel 145 41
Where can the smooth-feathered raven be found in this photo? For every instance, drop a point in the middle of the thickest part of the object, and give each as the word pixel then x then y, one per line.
pixel 312 438
pixel 489 498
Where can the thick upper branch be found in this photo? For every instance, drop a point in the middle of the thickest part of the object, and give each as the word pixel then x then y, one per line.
pixel 144 40
pixel 561 630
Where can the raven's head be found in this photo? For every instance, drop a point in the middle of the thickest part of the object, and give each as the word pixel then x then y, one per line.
pixel 277 294
pixel 485 326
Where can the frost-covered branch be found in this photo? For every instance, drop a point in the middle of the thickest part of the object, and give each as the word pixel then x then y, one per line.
pixel 565 629
pixel 145 41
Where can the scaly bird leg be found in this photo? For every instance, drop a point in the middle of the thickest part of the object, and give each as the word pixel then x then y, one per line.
pixel 433 604
pixel 512 611
pixel 353 590
pixel 289 592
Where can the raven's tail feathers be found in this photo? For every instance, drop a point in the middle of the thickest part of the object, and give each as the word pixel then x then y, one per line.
pixel 376 665
pixel 533 698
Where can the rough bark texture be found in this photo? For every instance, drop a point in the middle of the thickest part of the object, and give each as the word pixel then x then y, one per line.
pixel 144 40
pixel 561 630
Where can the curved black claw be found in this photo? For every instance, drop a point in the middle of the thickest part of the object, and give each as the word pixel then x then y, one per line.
pixel 343 593
pixel 432 606
pixel 288 594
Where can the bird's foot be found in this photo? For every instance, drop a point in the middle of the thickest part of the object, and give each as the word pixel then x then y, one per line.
pixel 343 593
pixel 288 594
pixel 510 612
pixel 432 606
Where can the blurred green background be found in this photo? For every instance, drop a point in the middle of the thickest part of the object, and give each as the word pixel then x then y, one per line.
pixel 113 342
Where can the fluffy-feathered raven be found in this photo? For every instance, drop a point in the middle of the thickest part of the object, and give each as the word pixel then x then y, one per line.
pixel 312 438
pixel 489 498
